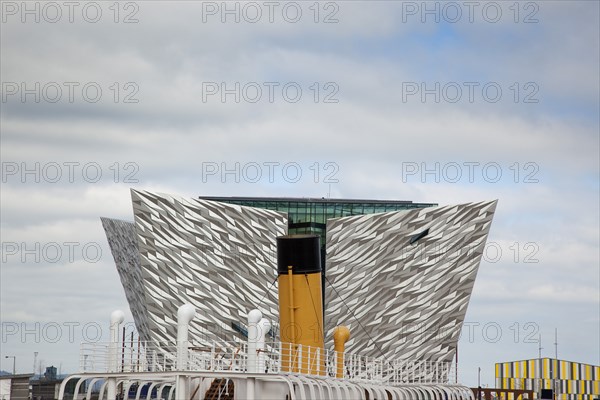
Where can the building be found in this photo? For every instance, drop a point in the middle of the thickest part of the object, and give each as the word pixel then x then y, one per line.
pixel 47 387
pixel 568 380
pixel 310 216
pixel 399 274
pixel 14 387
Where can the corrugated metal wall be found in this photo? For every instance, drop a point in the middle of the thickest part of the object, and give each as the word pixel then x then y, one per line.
pixel 570 380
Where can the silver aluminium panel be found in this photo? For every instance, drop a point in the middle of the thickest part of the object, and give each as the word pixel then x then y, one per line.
pixel 218 257
pixel 410 298
pixel 123 245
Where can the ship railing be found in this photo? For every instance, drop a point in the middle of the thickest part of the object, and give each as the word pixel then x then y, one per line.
pixel 162 356
pixel 418 371
pixel 273 358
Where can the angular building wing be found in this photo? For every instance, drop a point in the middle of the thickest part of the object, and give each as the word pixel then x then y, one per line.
pixel 123 245
pixel 218 257
pixel 402 280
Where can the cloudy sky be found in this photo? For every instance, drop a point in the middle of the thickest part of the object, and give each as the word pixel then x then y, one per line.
pixel 442 102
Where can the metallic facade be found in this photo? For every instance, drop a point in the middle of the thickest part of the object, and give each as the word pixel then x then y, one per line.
pixel 309 215
pixel 123 245
pixel 402 280
pixel 217 257
pixel 409 290
pixel 569 380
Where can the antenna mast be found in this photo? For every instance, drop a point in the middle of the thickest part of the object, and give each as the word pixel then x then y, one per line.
pixel 556 343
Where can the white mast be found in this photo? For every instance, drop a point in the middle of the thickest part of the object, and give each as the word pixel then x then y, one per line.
pixel 556 343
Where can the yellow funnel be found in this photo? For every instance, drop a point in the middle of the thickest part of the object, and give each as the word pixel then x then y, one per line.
pixel 300 304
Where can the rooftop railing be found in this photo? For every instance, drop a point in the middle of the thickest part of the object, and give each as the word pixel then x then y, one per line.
pixel 274 358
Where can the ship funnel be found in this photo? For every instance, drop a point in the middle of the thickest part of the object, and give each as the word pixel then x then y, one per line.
pixel 300 304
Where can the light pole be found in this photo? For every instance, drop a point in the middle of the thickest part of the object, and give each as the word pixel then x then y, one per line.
pixel 14 362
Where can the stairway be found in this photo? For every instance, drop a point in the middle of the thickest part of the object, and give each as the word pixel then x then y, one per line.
pixel 220 389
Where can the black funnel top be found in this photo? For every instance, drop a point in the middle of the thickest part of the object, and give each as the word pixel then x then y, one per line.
pixel 303 252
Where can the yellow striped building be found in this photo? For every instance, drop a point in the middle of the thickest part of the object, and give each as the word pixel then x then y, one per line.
pixel 569 380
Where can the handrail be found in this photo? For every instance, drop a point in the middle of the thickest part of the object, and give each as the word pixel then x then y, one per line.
pixel 275 358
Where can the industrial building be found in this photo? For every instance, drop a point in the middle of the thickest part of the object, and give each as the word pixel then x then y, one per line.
pixel 560 379
pixel 14 387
